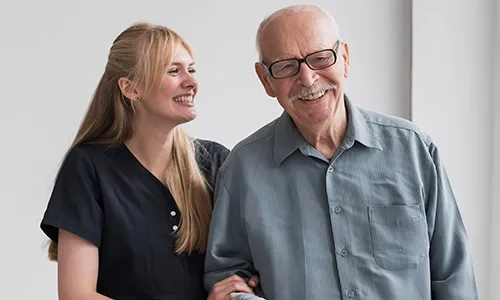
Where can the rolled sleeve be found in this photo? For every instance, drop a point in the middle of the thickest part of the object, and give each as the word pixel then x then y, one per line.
pixel 452 272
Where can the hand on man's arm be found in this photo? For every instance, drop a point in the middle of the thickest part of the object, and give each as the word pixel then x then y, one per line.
pixel 227 251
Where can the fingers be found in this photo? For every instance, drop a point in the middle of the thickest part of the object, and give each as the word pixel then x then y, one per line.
pixel 229 288
pixel 236 286
pixel 254 281
pixel 233 295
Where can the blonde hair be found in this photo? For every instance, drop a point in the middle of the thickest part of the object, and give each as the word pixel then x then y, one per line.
pixel 142 53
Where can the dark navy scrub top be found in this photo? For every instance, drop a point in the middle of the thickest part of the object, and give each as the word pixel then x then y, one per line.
pixel 104 195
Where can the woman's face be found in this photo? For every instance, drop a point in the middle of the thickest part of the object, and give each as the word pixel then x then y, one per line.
pixel 173 100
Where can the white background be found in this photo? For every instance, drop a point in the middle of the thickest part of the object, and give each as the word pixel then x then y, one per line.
pixel 455 49
pixel 432 63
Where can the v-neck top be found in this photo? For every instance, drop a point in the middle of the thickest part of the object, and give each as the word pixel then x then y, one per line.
pixel 106 196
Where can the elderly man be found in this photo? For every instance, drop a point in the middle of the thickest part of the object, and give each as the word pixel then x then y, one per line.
pixel 330 201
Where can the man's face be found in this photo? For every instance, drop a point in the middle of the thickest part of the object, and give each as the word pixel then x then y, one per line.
pixel 311 96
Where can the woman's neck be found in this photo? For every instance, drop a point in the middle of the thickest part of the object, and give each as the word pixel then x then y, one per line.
pixel 152 146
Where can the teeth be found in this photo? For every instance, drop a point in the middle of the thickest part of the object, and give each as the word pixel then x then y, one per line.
pixel 185 99
pixel 312 96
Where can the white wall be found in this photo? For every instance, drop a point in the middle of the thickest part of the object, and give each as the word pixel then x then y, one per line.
pixel 495 212
pixel 53 52
pixel 452 99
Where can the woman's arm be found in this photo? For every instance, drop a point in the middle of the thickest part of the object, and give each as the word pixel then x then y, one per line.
pixel 77 268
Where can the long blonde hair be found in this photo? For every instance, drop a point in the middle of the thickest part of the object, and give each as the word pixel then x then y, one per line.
pixel 142 53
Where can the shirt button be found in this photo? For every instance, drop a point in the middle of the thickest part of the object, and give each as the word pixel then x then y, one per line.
pixel 330 169
pixel 175 227
pixel 173 213
pixel 338 210
pixel 351 294
pixel 343 252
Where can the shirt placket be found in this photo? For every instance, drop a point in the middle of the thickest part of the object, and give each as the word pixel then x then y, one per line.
pixel 339 213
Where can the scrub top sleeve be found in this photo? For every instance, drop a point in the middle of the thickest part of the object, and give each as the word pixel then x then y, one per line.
pixel 74 203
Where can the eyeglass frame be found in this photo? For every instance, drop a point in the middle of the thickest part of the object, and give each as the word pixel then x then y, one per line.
pixel 304 60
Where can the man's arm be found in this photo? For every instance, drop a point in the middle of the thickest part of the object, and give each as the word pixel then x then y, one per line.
pixel 452 272
pixel 227 251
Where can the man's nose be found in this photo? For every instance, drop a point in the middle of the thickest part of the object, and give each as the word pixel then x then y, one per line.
pixel 306 75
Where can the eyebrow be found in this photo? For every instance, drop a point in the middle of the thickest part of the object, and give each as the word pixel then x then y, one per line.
pixel 181 64
pixel 281 58
pixel 323 47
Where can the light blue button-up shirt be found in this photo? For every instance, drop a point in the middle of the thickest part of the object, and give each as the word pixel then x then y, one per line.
pixel 378 221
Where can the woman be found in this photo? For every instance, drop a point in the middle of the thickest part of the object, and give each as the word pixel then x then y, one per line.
pixel 129 214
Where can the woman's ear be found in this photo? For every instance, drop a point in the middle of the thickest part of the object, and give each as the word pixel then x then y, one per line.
pixel 128 89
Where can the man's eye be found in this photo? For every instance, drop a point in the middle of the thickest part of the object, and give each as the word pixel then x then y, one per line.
pixel 192 71
pixel 320 59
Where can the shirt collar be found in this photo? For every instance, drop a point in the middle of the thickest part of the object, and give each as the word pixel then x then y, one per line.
pixel 287 138
pixel 358 129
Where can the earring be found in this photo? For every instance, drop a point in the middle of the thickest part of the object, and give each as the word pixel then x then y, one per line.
pixel 137 98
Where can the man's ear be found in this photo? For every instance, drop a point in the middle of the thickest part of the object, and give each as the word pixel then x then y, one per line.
pixel 128 89
pixel 345 57
pixel 261 71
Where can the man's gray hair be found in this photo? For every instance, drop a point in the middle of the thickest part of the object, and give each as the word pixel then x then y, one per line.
pixel 289 10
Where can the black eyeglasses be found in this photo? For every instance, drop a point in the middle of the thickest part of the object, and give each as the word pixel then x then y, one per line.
pixel 315 61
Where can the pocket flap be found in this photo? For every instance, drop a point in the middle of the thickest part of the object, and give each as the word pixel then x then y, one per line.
pixel 395 215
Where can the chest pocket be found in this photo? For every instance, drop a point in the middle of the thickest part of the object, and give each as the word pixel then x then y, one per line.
pixel 399 235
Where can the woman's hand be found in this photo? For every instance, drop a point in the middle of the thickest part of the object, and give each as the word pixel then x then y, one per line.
pixel 233 286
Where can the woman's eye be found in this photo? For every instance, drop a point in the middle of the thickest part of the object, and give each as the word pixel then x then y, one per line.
pixel 173 71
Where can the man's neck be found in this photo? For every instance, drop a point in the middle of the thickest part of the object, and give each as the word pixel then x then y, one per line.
pixel 328 136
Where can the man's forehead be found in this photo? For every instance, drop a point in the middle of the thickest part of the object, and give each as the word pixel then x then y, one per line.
pixel 296 37
pixel 295 49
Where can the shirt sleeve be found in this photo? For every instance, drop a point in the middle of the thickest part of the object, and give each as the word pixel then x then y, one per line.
pixel 219 155
pixel 210 158
pixel 73 205
pixel 227 250
pixel 452 273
